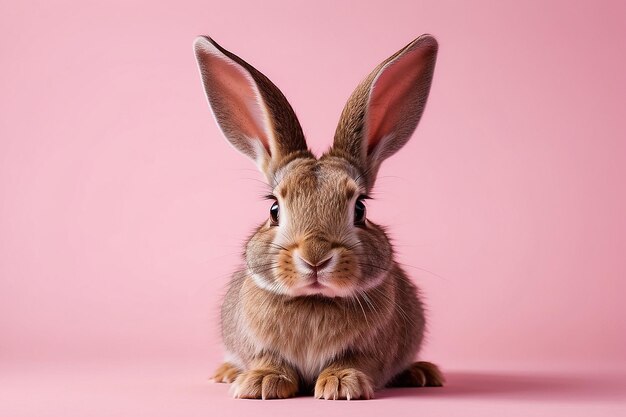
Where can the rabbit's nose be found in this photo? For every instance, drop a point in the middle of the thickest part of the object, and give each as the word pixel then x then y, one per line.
pixel 311 266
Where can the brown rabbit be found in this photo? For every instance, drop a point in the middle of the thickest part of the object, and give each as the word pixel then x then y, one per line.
pixel 320 305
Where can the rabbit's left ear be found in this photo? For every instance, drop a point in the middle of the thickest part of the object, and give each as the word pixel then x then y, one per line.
pixel 384 110
pixel 251 111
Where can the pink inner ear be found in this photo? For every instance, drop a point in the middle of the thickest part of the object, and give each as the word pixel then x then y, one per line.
pixel 394 101
pixel 236 101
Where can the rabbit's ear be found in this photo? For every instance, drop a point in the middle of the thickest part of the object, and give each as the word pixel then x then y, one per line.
pixel 384 110
pixel 251 111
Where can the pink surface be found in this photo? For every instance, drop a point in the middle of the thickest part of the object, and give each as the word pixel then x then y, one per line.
pixel 181 389
pixel 122 209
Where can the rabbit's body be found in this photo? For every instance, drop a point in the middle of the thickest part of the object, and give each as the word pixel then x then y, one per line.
pixel 321 303
pixel 384 328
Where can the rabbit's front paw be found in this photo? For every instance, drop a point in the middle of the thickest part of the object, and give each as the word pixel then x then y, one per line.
pixel 344 384
pixel 265 384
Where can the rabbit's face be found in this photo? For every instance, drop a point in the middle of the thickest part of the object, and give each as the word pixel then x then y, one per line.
pixel 317 239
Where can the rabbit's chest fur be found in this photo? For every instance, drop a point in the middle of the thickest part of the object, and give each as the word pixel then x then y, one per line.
pixel 309 332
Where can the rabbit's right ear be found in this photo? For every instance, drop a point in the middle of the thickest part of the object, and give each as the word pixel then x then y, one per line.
pixel 386 107
pixel 250 110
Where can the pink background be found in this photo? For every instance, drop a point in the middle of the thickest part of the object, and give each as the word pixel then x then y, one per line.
pixel 122 209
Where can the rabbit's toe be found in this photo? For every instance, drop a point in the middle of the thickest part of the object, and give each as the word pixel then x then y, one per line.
pixel 344 384
pixel 265 384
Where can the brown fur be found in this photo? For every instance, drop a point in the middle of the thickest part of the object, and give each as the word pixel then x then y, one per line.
pixel 378 337
pixel 362 329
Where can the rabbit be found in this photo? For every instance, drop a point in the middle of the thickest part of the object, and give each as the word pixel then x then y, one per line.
pixel 320 306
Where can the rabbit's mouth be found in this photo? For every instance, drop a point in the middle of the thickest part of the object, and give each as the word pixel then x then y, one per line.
pixel 321 284
pixel 316 285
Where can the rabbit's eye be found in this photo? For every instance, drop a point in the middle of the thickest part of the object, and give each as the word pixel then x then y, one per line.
pixel 274 213
pixel 359 212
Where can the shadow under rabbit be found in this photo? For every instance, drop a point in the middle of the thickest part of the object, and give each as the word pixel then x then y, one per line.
pixel 522 386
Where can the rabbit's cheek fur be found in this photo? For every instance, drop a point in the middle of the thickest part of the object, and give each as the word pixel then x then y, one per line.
pixel 316 226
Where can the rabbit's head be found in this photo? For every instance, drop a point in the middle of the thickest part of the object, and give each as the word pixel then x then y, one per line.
pixel 317 239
